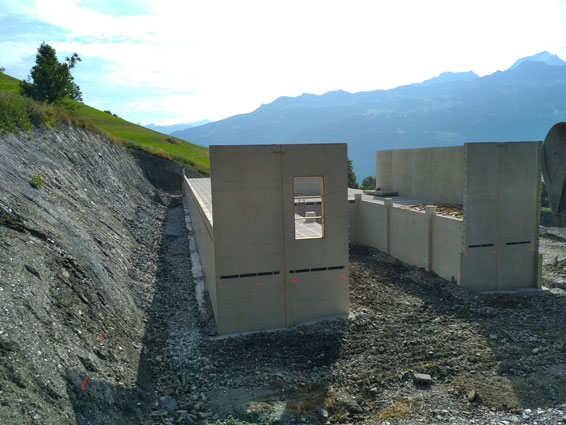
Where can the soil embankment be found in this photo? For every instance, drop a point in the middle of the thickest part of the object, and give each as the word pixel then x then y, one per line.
pixel 79 255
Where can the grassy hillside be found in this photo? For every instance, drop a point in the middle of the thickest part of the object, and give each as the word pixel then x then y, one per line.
pixel 129 134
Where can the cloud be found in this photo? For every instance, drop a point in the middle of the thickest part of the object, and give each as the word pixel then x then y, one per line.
pixel 228 57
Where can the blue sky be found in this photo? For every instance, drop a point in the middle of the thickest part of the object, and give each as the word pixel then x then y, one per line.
pixel 180 61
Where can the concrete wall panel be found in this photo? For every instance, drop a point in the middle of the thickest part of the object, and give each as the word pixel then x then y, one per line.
pixel 446 247
pixel 409 236
pixel 430 174
pixel 373 225
pixel 321 293
pixel 248 236
pixel 518 231
pixel 481 215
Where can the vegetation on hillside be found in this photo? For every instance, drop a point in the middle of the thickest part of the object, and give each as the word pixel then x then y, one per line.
pixel 19 112
pixel 50 80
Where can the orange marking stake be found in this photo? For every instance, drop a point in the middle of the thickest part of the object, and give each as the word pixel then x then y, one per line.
pixel 459 276
pixel 221 287
pixel 344 276
pixel 294 280
pixel 101 337
pixel 84 383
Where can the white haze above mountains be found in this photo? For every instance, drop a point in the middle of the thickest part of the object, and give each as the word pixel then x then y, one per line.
pixel 520 103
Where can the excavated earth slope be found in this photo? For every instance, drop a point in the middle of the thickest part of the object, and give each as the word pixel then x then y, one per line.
pixel 99 322
pixel 77 271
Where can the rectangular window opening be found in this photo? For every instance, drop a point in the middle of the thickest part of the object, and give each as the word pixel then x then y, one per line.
pixel 309 207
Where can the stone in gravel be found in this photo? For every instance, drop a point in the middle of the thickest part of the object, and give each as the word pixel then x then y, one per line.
pixel 422 378
pixel 322 413
pixel 536 350
pixel 373 390
pixel 472 395
pixel 168 403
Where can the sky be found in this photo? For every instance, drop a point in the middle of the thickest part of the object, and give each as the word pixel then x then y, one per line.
pixel 168 61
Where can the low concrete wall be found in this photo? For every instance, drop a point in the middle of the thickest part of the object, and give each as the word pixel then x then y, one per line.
pixel 423 239
pixel 204 239
pixel 446 255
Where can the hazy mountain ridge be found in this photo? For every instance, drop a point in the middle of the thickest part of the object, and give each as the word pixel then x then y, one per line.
pixel 521 103
pixel 168 129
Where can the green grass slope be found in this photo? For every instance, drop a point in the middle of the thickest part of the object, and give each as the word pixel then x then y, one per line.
pixel 131 135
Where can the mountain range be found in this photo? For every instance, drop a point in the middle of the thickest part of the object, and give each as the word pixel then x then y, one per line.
pixel 168 129
pixel 518 104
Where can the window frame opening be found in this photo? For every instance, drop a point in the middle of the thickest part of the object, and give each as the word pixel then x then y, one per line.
pixel 308 221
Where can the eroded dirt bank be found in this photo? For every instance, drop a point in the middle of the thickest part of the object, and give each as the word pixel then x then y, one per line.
pixel 96 281
pixel 77 272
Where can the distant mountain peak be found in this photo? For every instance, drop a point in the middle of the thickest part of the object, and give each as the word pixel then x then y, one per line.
pixel 545 57
pixel 448 76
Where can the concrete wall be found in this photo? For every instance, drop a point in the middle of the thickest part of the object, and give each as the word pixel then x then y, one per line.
pixel 446 253
pixel 317 293
pixel 264 277
pixel 429 174
pixel 423 239
pixel 203 233
pixel 495 247
pixel 501 211
pixel 248 237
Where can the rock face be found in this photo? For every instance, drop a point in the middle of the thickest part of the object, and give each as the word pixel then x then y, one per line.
pixel 73 291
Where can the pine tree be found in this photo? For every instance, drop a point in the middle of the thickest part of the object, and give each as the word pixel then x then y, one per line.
pixel 51 81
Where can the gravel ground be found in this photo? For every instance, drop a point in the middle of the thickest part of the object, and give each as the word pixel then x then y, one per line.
pixel 491 358
pixel 99 279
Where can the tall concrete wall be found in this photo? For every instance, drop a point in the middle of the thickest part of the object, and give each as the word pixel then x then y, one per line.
pixel 429 174
pixel 325 292
pixel 248 237
pixel 501 211
pixel 265 278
